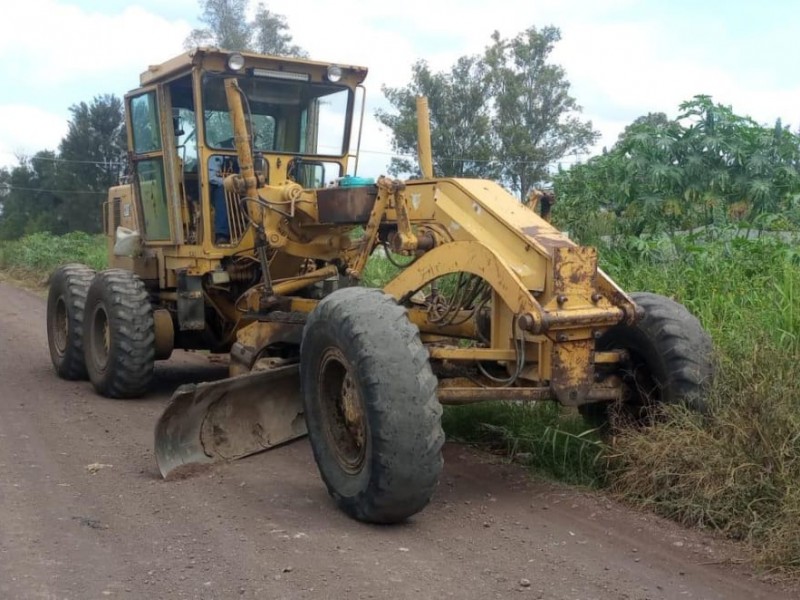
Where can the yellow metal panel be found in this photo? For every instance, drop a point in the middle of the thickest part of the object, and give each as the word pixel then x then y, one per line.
pixel 468 257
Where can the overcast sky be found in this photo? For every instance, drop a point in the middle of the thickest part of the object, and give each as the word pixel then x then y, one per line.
pixel 624 58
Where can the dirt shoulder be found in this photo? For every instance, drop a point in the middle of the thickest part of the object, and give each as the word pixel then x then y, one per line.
pixel 264 527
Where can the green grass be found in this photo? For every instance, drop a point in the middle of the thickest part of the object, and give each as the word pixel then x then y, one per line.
pixel 36 256
pixel 542 436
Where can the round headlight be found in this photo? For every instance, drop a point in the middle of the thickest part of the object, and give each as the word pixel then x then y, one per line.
pixel 334 73
pixel 236 62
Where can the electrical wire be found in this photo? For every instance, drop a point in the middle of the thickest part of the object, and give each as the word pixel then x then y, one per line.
pixel 55 159
pixel 570 159
pixel 471 294
pixel 388 253
pixel 519 346
pixel 6 186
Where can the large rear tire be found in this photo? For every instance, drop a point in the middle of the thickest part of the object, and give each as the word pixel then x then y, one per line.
pixel 671 362
pixel 66 301
pixel 120 339
pixel 370 405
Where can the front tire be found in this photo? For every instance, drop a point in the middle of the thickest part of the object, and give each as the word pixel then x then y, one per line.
pixel 120 335
pixel 66 301
pixel 370 403
pixel 671 362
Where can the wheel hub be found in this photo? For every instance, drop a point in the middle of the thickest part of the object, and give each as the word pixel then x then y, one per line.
pixel 342 410
pixel 101 338
pixel 61 326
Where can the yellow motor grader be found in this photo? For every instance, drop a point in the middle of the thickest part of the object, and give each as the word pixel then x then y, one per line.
pixel 243 232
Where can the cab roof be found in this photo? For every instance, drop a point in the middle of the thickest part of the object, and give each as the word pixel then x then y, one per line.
pixel 217 57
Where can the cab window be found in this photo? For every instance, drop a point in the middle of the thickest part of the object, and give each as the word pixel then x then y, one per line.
pixel 285 116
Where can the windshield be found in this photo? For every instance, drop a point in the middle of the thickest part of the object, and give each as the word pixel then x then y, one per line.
pixel 286 116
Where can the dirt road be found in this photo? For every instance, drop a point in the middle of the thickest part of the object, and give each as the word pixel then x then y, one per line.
pixel 265 527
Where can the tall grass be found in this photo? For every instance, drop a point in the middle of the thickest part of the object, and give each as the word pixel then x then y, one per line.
pixel 37 255
pixel 736 470
pixel 737 288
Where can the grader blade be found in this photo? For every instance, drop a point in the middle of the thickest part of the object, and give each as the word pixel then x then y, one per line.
pixel 229 419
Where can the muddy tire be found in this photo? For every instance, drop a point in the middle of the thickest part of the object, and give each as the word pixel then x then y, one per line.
pixel 66 302
pixel 671 361
pixel 370 405
pixel 119 344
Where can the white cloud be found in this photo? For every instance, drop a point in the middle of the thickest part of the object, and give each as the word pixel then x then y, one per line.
pixel 47 42
pixel 56 54
pixel 24 130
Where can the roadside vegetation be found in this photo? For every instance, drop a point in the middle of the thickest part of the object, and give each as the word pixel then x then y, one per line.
pixel 737 469
pixel 34 257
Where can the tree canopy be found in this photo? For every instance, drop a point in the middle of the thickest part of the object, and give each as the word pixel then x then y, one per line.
pixel 64 191
pixel 506 114
pixel 708 166
pixel 227 26
pixel 460 120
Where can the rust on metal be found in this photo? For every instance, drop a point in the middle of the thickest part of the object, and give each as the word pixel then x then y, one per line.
pixel 572 371
pixel 547 236
pixel 346 205
pixel 451 395
pixel 496 354
pixel 582 318
pixel 472 395
pixel 574 271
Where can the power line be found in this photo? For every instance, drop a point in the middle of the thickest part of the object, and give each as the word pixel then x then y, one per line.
pixel 6 186
pixel 571 159
pixel 75 161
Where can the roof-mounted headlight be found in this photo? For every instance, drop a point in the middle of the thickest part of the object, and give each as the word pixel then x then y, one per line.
pixel 236 62
pixel 334 73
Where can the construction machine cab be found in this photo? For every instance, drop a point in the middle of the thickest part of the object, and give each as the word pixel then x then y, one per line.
pixel 181 141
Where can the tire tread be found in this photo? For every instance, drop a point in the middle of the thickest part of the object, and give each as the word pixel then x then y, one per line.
pixel 131 358
pixel 72 281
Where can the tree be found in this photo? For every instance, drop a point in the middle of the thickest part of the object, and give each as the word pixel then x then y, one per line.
pixel 709 166
pixel 461 135
pixel 226 26
pixel 504 115
pixel 29 197
pixel 535 117
pixel 93 158
pixel 271 34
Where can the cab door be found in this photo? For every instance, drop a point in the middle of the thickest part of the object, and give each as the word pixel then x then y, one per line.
pixel 150 183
